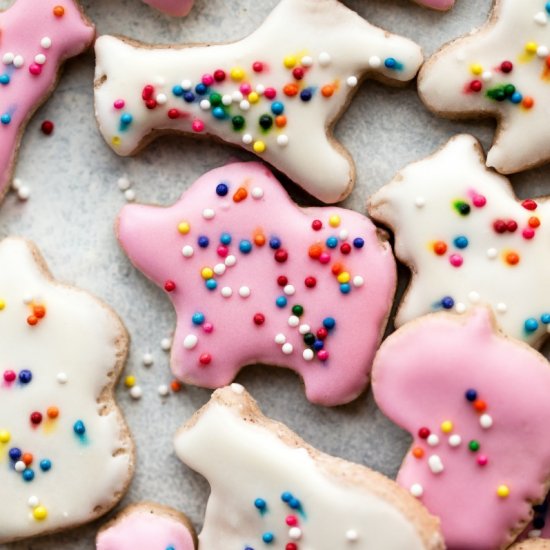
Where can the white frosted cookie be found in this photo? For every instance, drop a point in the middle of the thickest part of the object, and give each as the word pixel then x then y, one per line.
pixel 277 93
pixel 66 456
pixel 468 240
pixel 270 489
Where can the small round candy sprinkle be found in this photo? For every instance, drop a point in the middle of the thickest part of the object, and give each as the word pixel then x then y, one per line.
pixel 280 339
pixel 474 446
pixel 79 427
pixel 40 513
pixel 417 490
pixel 432 440
pixel 435 464
pixel 485 421
pixel 130 381
pixel 503 491
pixel 47 127
pixel 136 392
pixel 455 440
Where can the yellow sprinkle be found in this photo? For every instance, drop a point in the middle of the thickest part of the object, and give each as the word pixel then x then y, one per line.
pixel 237 73
pixel 184 228
pixel 531 47
pixel 334 221
pixel 253 97
pixel 447 427
pixel 5 436
pixel 207 273
pixel 40 513
pixel 344 277
pixel 476 68
pixel 259 147
pixel 290 61
pixel 503 491
pixel 116 140
pixel 130 381
pixel 2 305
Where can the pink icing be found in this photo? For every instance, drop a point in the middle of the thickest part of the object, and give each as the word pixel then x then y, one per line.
pixel 23 26
pixel 176 8
pixel 420 379
pixel 437 4
pixel 141 530
pixel 229 335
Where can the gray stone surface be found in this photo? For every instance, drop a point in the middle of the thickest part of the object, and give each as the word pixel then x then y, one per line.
pixel 75 199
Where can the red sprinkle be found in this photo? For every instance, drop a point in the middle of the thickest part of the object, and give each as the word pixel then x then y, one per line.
pixel 205 359
pixel 298 73
pixel 150 103
pixel 529 204
pixel 317 225
pixel 173 114
pixel 259 319
pixel 310 282
pixel 424 433
pixel 281 256
pixel 511 226
pixel 476 85
pixel 219 75
pixel 506 66
pixel 169 286
pixel 147 92
pixel 9 376
pixel 47 127
pixel 322 333
pixel 345 248
pixel 257 66
pixel 500 226
pixel 36 418
pixel 282 280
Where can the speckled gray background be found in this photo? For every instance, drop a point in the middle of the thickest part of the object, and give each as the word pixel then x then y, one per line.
pixel 75 199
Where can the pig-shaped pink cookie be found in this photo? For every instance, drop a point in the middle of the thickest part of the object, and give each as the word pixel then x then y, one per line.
pixel 477 404
pixel 440 5
pixel 254 278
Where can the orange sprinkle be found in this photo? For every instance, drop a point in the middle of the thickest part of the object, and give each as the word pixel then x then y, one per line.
pixel 280 121
pixel 39 311
pixel 440 248
pixel 259 239
pixel 290 90
pixel 240 194
pixel 337 268
pixel 512 258
pixel 528 102
pixel 59 11
pixel 52 412
pixel 534 221
pixel 418 452
pixel 176 386
pixel 27 458
pixel 315 250
pixel 480 405
pixel 327 90
pixel 32 320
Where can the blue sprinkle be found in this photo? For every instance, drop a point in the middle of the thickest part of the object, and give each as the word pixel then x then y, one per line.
pixel 447 302
pixel 281 301
pixel 45 465
pixel 286 496
pixel 268 538
pixel 545 318
pixel 531 325
pixel 277 108
pixel 225 238
pixel 345 288
pixel 126 119
pixel 260 504
pixel 275 243
pixel 332 242
pixel 547 7
pixel 219 113
pixel 306 95
pixel 222 189
pixel 392 64
pixel 318 345
pixel 189 97
pixel 329 323
pixel 461 242
pixel 25 376
pixel 170 547
pixel 4 79
pixel 177 90
pixel 5 118
pixel 245 246
pixel 15 454
pixel 79 427
pixel 358 242
pixel 471 395
pixel 203 241
pixel 198 318
pixel 28 474
pixel 516 98
pixel 201 88
pixel 294 503
pixel 211 284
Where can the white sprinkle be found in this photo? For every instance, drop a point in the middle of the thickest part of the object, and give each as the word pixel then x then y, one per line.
pixel 287 348
pixel 163 390
pixel 219 269
pixel 306 61
pixel 308 354
pixel 492 253
pixel 420 202
pixel 208 213
pixel 190 341
pixel 352 81
pixel 358 281
pixel 237 388
pixel 293 321
pixel 20 466
pixel 227 292
pixel 304 329
pixel 485 421
pixel 257 193
pixel 541 18
pixel 166 344
pixel 282 140
pixel 295 533
pixel 460 307
pixel 280 339
pixel 486 76
pixel 244 105
pixel 187 251
pixel 352 535
pixel 324 59
pixel 474 297
pixel 33 502
pixel 260 89
pixel 24 193
pixel 204 104
pixel 433 440
pixel 289 290
pixel 375 62
pixel 534 533
pixel 237 96
pixel 148 359
pixel 542 52
pixel 244 292
pixel 16 184
pixel 455 440
pixel 502 308
pixel 230 261
pixel 344 234
pixel 186 85
pixel 62 378
pixel 435 464
pixel 46 42
pixel 161 99
pixel 136 392
pixel 227 99
pixel 417 490
pixel 124 183
pixel 130 195
pixel 18 61
pixel 247 139
pixel 40 59
pixel 8 58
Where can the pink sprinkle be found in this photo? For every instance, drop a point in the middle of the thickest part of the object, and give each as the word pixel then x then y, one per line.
pixel 322 355
pixel 207 79
pixel 222 251
pixel 482 460
pixel 119 104
pixel 270 93
pixel 208 328
pixel 291 521
pixel 456 260
pixel 9 376
pixel 35 69
pixel 324 258
pixel 198 125
pixel 479 201
pixel 245 89
pixel 528 233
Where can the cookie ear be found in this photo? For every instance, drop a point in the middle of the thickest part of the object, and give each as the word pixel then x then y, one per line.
pixel 112 54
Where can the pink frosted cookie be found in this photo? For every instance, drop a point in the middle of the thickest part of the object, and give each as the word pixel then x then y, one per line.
pixel 66 455
pixel 254 278
pixel 147 526
pixel 277 93
pixel 176 8
pixel 270 489
pixel 468 240
pixel 37 37
pixel 476 403
pixel 502 71
pixel 441 5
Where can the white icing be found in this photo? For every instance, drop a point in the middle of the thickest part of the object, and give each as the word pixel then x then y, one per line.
pixel 338 47
pixel 70 353
pixel 522 291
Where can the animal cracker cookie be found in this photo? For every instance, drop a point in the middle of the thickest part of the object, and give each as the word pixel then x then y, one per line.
pixel 441 5
pixel 467 240
pixel 147 526
pixel 476 403
pixel 37 37
pixel 254 278
pixel 177 8
pixel 277 93
pixel 534 544
pixel 66 456
pixel 276 491
pixel 501 71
